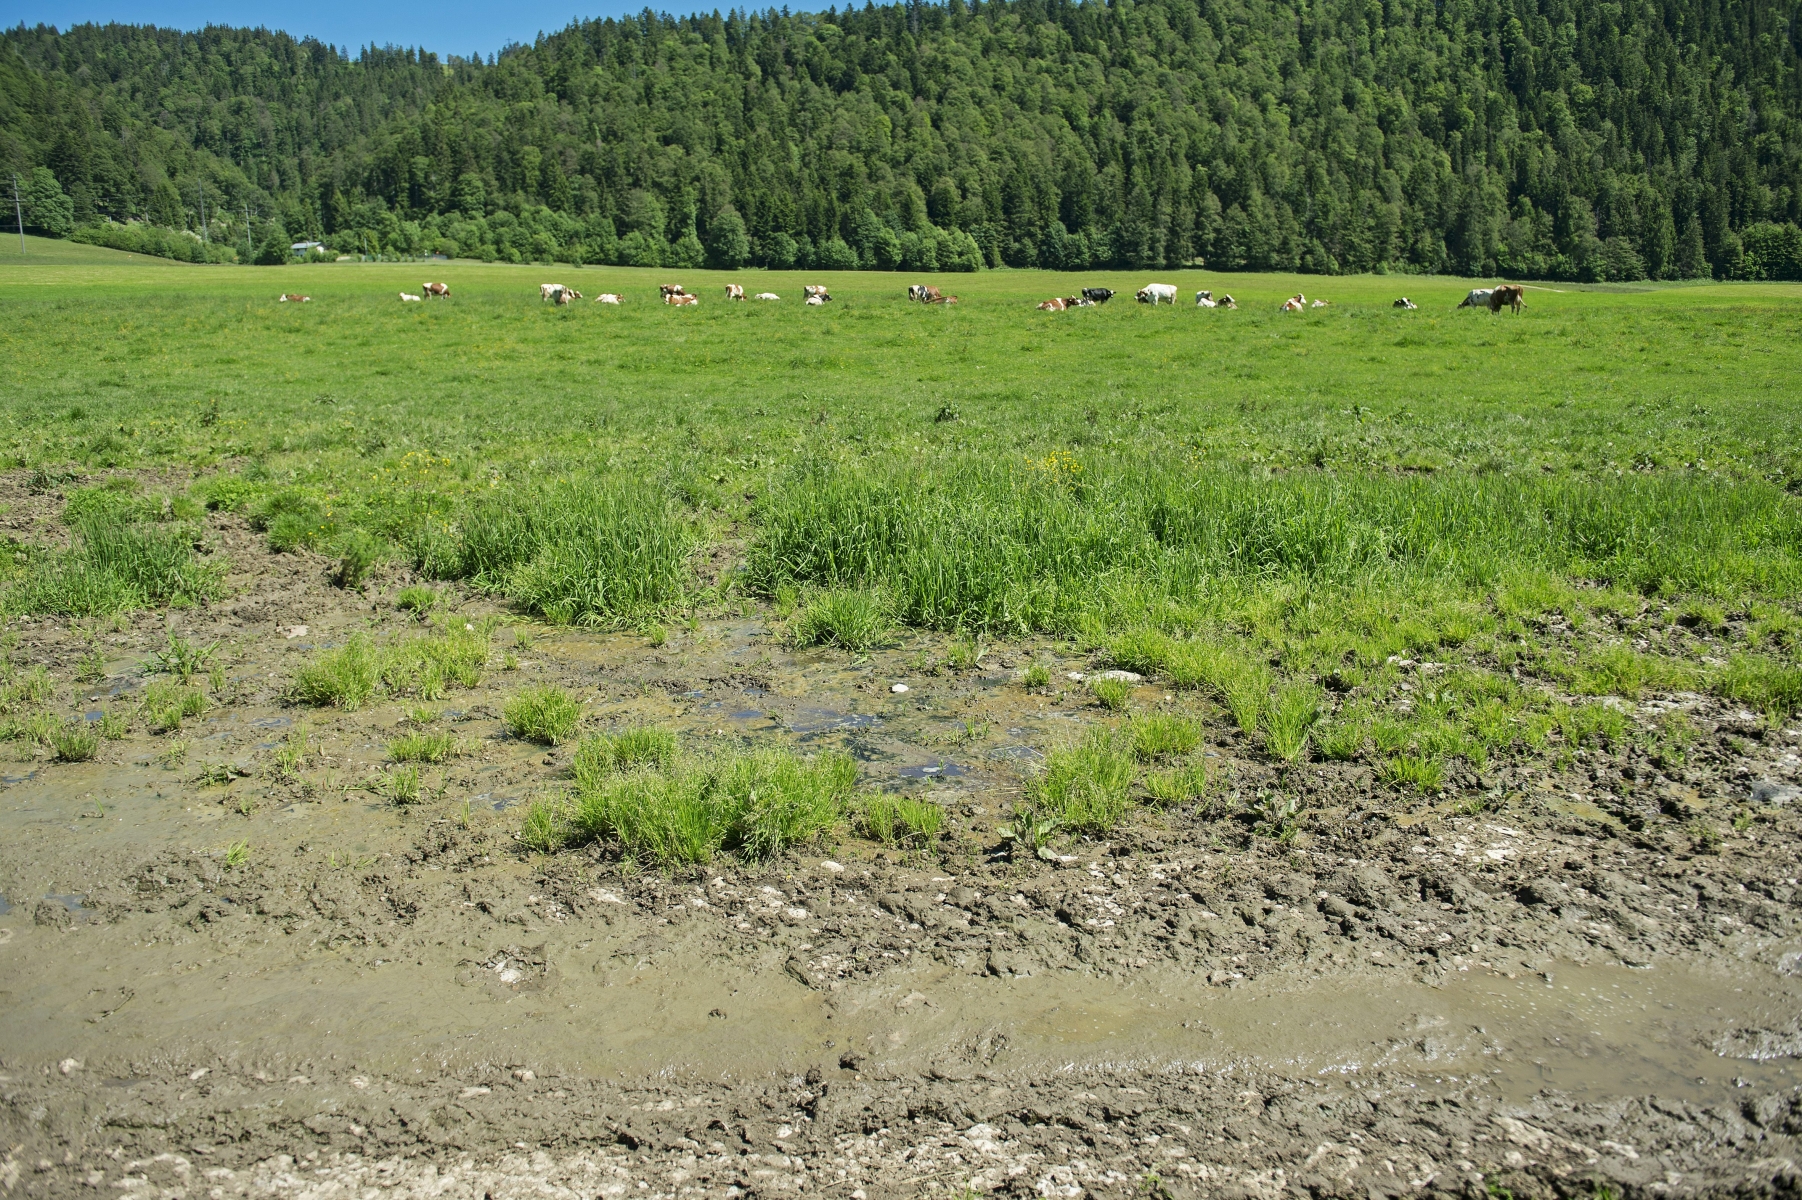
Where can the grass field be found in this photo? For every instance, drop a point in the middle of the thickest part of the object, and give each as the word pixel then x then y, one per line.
pixel 1595 497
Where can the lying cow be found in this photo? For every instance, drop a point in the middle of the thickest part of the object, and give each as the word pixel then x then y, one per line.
pixel 405 297
pixel 921 292
pixel 1098 295
pixel 671 289
pixel 1295 303
pixel 734 292
pixel 1157 293
pixel 1055 304
pixel 294 296
pixel 766 296
pixel 1511 294
pixel 607 298
pixel 814 301
pixel 1228 302
pixel 1404 302
pixel 682 300
pixel 1318 304
pixel 818 290
pixel 1478 298
pixel 548 291
pixel 566 295
pixel 1204 299
pixel 438 291
pixel 943 300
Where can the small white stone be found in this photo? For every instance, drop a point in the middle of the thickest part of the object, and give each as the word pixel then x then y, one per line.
pixel 1074 675
pixel 69 1065
pixel 898 688
pixel 294 631
pixel 524 1074
pixel 1122 676
pixel 829 865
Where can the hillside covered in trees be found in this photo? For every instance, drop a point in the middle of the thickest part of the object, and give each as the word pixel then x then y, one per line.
pixel 1570 139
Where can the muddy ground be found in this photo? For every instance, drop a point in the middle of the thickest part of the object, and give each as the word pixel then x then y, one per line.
pixel 216 981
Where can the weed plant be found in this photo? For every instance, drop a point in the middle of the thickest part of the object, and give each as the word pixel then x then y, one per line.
pixel 1036 675
pixel 1162 736
pixel 399 785
pixel 642 746
pixel 181 658
pixel 1290 719
pixel 1084 788
pixel 167 703
pixel 1177 785
pixel 1112 694
pixel 426 747
pixel 546 714
pixel 416 598
pixel 74 741
pixel 423 665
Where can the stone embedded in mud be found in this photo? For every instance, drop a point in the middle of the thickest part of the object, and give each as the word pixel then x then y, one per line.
pixel 1771 792
pixel 1121 676
pixel 898 688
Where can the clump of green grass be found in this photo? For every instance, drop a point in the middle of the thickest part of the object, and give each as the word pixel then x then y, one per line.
pixel 74 741
pixel 426 747
pixel 1420 772
pixel 116 564
pixel 1162 736
pixel 423 665
pixel 1596 723
pixel 400 786
pixel 167 704
pixel 1290 719
pixel 237 854
pixel 578 553
pixel 1241 682
pixel 416 598
pixel 1767 684
pixel 1112 694
pixel 1340 741
pixel 1084 788
pixel 845 617
pixel 964 653
pixel 546 714
pixel 642 746
pixel 290 756
pixel 1035 676
pixel 755 805
pixel 902 820
pixel 1177 785
pixel 181 658
pixel 358 552
pixel 1623 671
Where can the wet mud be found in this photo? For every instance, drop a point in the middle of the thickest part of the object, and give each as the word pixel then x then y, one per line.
pixel 221 979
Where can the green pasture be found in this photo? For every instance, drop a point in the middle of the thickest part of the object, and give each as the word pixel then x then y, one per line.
pixel 1243 501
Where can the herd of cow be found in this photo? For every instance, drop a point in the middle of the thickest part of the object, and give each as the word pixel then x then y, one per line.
pixel 1509 295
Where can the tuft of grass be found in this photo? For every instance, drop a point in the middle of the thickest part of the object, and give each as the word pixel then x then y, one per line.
pixel 420 714
pixel 173 754
pixel 1162 736
pixel 1340 741
pixel 115 565
pixel 1177 785
pixel 844 617
pixel 642 746
pixel 167 704
pixel 1767 684
pixel 112 725
pixel 416 598
pixel 901 820
pixel 1290 719
pixel 964 653
pixel 343 678
pixel 1084 788
pixel 546 714
pixel 577 553
pixel 398 786
pixel 1592 723
pixel 1112 694
pixel 1036 675
pixel 426 747
pixel 92 667
pixel 74 741
pixel 423 665
pixel 237 854
pixel 1420 772
pixel 358 552
pixel 291 755
pixel 755 805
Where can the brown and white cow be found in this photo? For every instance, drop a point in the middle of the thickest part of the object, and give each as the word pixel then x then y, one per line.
pixel 817 290
pixel 943 300
pixel 924 293
pixel 435 291
pixel 671 289
pixel 548 291
pixel 1511 294
pixel 1295 303
pixel 1228 302
pixel 294 296
pixel 682 299
pixel 607 298
pixel 566 295
pixel 734 292
pixel 1055 304
pixel 766 296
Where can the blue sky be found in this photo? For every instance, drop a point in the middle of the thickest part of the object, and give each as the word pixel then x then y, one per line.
pixel 448 27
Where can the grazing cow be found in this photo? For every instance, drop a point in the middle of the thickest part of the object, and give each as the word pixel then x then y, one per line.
pixel 439 291
pixel 548 291
pixel 1228 302
pixel 1478 298
pixel 607 298
pixel 294 296
pixel 766 296
pixel 683 300
pixel 404 297
pixel 734 292
pixel 1295 303
pixel 1157 293
pixel 1404 302
pixel 566 295
pixel 1098 295
pixel 1511 294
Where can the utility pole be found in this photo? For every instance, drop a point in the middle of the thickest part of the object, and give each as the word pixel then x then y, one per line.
pixel 200 190
pixel 19 211
pixel 249 250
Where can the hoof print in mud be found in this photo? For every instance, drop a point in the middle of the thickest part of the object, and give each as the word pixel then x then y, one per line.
pixel 509 972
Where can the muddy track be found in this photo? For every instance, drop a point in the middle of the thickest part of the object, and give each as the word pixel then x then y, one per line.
pixel 1557 986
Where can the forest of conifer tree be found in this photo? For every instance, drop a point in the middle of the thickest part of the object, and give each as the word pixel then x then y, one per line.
pixel 1560 139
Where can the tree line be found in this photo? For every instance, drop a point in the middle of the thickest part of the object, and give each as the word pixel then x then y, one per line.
pixel 1561 139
